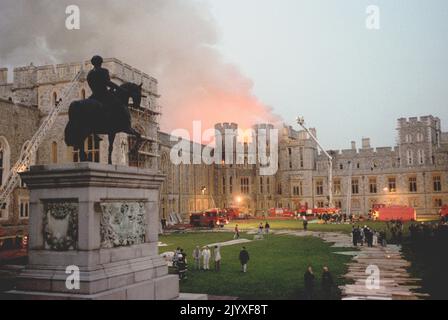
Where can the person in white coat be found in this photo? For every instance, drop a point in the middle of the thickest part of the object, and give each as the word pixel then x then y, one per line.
pixel 206 255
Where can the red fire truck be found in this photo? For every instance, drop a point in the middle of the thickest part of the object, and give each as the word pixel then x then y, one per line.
pixel 281 212
pixel 382 212
pixel 212 218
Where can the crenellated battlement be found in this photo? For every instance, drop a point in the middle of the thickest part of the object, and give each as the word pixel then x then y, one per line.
pixel 28 77
pixel 226 126
pixel 417 121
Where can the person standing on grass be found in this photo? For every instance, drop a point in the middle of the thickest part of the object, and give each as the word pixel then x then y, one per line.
pixel 206 255
pixel 309 279
pixel 305 223
pixel 197 258
pixel 260 228
pixel 267 227
pixel 327 283
pixel 244 259
pixel 237 233
pixel 217 253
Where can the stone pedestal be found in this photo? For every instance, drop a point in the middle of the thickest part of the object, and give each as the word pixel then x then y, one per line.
pixel 102 220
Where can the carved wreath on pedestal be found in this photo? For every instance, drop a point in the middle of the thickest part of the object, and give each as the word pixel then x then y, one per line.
pixel 60 226
pixel 122 224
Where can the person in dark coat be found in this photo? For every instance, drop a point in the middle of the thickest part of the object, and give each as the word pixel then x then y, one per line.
pixel 327 283
pixel 309 279
pixel 305 224
pixel 244 259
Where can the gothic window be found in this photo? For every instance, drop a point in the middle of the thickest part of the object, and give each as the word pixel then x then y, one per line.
pixel 297 190
pixel 373 185
pixel 319 187
pixel 420 137
pixel 437 183
pixel 24 208
pixel 409 157
pixel 83 94
pixel 337 188
pixel 231 185
pixel 355 186
pixel 392 184
pixel 54 152
pixel 245 185
pixel 301 158
pixel 54 99
pixel 268 185
pixel 413 184
pixel 421 156
pixel 290 157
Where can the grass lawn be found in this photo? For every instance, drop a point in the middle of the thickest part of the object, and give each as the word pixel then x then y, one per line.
pixel 275 270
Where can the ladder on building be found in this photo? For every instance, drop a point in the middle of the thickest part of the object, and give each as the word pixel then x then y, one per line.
pixel 31 148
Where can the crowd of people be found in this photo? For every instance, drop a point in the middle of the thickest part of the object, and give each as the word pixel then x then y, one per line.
pixel 337 218
pixel 419 232
pixel 202 258
pixel 368 236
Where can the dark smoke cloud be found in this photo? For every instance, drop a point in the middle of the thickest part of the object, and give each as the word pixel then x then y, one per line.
pixel 172 40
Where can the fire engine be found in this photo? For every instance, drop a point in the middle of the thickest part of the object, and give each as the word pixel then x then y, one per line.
pixel 281 212
pixel 382 212
pixel 213 218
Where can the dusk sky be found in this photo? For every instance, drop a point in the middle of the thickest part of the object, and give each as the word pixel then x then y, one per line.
pixel 316 58
pixel 247 61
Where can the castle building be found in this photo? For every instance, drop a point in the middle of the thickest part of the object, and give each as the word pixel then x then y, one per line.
pixel 414 172
pixel 25 104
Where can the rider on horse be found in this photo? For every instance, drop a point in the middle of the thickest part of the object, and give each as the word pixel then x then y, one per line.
pixel 103 89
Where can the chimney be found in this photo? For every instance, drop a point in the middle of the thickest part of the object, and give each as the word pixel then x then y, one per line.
pixel 353 145
pixel 366 143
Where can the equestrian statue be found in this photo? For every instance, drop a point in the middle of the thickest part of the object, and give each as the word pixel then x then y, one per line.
pixel 106 111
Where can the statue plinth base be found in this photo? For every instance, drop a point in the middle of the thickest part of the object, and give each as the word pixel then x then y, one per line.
pixel 101 220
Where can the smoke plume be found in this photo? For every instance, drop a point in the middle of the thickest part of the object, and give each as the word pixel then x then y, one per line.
pixel 172 40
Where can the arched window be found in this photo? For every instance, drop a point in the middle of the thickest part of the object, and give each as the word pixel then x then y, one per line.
pixel 54 152
pixel 83 94
pixel 421 156
pixel 54 99
pixel 410 158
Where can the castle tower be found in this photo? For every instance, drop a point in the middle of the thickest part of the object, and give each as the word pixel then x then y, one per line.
pixel 417 140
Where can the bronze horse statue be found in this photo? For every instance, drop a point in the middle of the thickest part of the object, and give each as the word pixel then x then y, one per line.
pixel 89 116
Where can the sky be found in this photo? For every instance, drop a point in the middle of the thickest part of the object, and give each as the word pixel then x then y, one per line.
pixel 316 58
pixel 252 61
